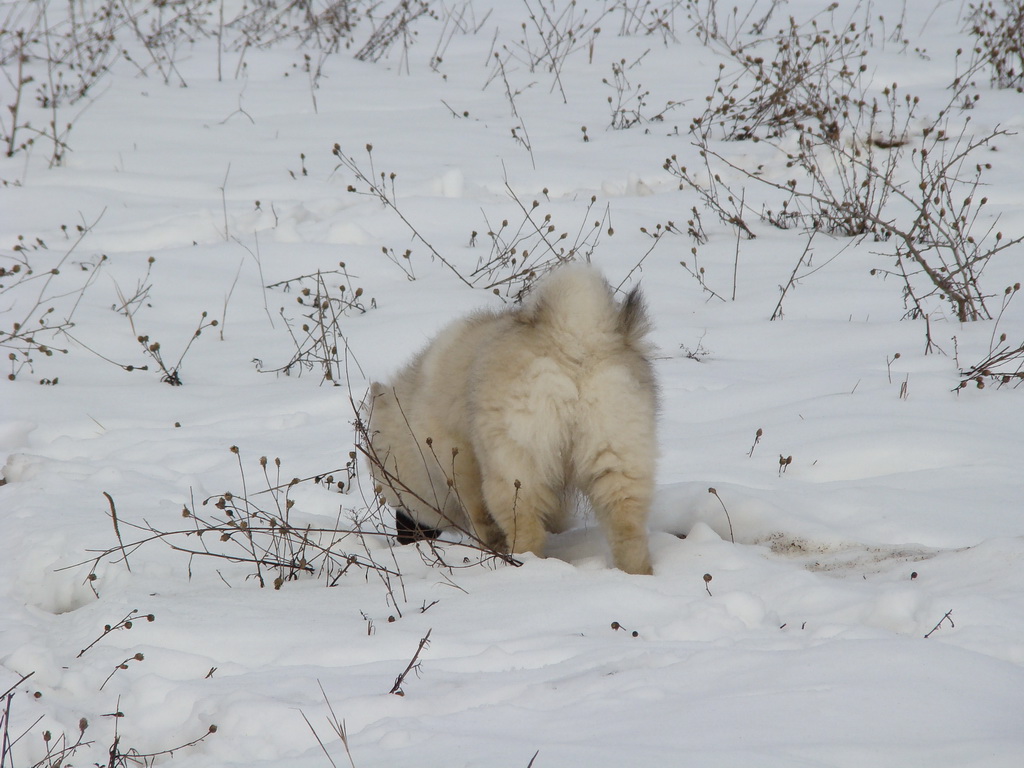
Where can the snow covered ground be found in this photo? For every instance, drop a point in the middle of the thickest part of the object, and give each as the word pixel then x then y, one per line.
pixel 900 514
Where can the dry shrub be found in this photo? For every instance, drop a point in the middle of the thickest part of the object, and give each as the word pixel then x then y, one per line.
pixel 998 29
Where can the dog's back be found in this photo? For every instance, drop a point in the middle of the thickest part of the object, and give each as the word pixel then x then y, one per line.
pixel 555 395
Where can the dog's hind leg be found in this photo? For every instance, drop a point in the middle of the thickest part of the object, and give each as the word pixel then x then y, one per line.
pixel 520 508
pixel 620 503
pixel 471 497
pixel 613 459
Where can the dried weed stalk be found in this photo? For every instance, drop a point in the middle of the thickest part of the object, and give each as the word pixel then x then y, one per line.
pixel 724 26
pixel 263 531
pixel 46 291
pixel 629 102
pixel 552 32
pixel 319 341
pixel 531 244
pixel 1004 363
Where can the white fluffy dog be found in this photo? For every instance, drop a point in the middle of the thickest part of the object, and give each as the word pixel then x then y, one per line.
pixel 505 414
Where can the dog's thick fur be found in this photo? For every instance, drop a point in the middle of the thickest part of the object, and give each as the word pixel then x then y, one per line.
pixel 504 414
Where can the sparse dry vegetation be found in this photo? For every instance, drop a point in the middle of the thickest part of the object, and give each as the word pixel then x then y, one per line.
pixel 53 56
pixel 523 246
pixel 864 164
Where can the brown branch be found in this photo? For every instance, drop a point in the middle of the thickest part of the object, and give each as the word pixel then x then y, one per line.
pixel 117 532
pixel 947 617
pixel 413 665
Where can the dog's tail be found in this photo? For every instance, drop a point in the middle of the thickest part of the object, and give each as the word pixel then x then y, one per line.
pixel 576 299
pixel 634 322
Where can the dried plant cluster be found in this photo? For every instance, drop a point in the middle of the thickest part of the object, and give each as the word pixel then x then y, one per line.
pixel 522 247
pixel 50 286
pixel 863 164
pixel 277 542
pixel 53 55
pixel 531 244
pixel 998 29
pixel 807 76
pixel 318 338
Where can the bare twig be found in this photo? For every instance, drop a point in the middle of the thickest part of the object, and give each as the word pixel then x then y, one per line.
pixel 379 190
pixel 117 532
pixel 126 623
pixel 338 726
pixel 413 666
pixel 948 617
pixel 714 493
